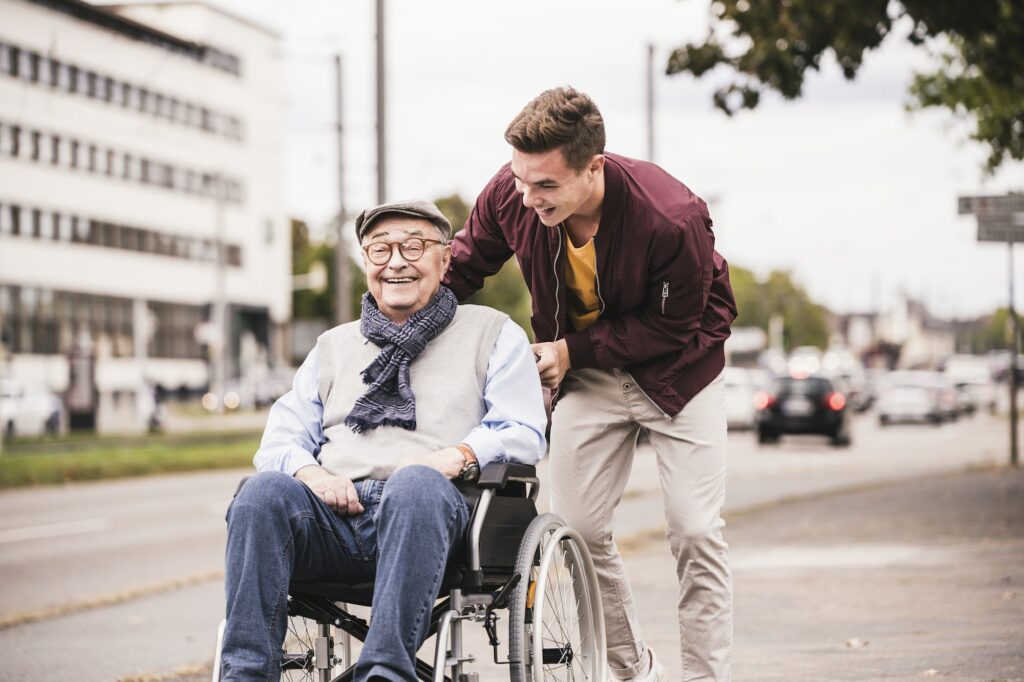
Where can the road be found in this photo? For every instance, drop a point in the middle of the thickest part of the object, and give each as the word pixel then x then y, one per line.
pixel 122 580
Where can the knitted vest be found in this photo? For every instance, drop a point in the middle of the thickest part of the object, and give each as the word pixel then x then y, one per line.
pixel 447 378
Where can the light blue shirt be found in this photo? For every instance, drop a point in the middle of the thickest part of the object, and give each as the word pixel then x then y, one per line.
pixel 512 428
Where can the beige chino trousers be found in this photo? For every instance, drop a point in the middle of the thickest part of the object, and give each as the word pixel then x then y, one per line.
pixel 594 432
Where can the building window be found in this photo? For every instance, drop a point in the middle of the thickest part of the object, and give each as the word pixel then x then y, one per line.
pixel 6 223
pixel 10 137
pixel 13 61
pixel 36 143
pixel 52 72
pixel 175 330
pixel 8 55
pixel 30 66
pixel 55 149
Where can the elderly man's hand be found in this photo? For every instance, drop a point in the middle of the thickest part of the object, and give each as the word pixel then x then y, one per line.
pixel 338 492
pixel 449 461
pixel 552 362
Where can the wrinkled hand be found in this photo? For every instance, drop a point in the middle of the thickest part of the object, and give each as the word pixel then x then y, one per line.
pixel 337 492
pixel 449 461
pixel 553 362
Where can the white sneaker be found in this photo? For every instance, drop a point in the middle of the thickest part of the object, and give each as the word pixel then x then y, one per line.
pixel 656 673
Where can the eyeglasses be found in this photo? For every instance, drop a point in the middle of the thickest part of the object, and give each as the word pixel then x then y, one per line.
pixel 411 249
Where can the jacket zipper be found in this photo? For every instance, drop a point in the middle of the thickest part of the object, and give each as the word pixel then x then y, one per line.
pixel 664 296
pixel 554 267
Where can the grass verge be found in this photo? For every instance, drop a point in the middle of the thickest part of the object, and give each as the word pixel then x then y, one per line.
pixel 57 462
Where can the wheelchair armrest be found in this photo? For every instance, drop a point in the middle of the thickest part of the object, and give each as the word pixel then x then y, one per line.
pixel 498 474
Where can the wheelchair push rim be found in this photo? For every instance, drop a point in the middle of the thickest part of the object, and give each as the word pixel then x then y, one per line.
pixel 556 625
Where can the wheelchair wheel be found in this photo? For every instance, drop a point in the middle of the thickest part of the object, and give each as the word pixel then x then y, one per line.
pixel 309 652
pixel 556 626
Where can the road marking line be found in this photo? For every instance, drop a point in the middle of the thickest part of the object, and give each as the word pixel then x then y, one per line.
pixel 53 530
pixel 104 600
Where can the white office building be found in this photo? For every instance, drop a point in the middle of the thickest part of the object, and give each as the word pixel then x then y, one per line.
pixel 141 168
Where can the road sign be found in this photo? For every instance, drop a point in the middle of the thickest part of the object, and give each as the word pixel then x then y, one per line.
pixel 1007 203
pixel 1004 227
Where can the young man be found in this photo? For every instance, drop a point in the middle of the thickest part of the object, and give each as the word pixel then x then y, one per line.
pixel 631 309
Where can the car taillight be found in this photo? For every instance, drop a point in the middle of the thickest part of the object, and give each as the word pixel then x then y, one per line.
pixel 836 401
pixel 763 400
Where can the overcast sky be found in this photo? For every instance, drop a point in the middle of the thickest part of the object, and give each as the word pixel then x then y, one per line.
pixel 855 196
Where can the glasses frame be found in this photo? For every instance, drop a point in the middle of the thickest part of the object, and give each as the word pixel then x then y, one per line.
pixel 401 249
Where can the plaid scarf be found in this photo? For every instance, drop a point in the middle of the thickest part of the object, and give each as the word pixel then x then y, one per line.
pixel 389 400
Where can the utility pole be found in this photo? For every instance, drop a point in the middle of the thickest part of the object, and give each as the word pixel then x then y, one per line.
pixel 219 312
pixel 382 166
pixel 650 102
pixel 1001 219
pixel 342 305
pixel 1014 350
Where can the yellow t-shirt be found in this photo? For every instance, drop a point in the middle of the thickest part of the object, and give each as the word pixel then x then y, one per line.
pixel 581 279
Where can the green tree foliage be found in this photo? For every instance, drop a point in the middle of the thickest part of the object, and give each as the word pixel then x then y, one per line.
pixel 805 323
pixel 320 304
pixel 506 290
pixel 994 333
pixel 770 45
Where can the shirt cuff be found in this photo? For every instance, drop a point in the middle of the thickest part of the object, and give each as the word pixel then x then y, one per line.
pixel 295 460
pixel 486 446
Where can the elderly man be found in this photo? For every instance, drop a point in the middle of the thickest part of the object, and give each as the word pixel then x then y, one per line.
pixel 357 461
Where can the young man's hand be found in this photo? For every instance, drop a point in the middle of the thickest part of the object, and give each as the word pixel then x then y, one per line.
pixel 552 362
pixel 338 492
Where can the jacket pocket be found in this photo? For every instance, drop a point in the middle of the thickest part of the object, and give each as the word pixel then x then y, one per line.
pixel 674 299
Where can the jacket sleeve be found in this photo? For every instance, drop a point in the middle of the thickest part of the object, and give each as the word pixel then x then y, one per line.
pixel 479 249
pixel 687 306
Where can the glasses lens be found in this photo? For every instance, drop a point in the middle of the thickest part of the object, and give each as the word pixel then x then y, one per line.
pixel 379 253
pixel 412 249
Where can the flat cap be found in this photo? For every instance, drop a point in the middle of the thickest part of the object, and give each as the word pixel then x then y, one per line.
pixel 416 209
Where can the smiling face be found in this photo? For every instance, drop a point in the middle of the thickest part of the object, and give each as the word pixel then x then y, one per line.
pixel 556 191
pixel 401 287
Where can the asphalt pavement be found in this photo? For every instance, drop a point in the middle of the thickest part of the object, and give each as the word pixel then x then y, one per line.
pixel 904 581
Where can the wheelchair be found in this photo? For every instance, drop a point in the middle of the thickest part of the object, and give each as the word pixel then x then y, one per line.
pixel 530 566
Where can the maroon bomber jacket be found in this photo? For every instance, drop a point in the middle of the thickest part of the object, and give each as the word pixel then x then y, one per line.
pixel 665 300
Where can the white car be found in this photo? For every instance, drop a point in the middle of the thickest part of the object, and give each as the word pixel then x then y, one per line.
pixel 973 379
pixel 740 388
pixel 915 396
pixel 28 409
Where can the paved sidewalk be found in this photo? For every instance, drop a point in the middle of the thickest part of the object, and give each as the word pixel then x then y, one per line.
pixel 905 581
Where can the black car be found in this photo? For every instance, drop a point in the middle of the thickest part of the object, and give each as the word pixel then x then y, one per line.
pixel 802 405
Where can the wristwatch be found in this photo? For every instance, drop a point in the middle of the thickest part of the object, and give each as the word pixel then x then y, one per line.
pixel 471 469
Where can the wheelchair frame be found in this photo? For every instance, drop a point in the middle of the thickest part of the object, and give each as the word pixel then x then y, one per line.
pixel 490 581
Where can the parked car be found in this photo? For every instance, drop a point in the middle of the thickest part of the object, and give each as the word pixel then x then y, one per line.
pixel 739 398
pixel 916 396
pixel 972 378
pixel 803 405
pixel 28 409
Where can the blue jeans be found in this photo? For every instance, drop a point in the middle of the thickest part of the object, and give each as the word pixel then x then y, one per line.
pixel 279 531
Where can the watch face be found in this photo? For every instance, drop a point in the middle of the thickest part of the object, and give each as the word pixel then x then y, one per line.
pixel 470 472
